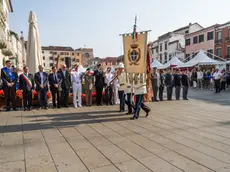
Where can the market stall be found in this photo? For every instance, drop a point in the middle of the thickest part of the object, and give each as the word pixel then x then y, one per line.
pixel 202 59
pixel 156 64
pixel 172 63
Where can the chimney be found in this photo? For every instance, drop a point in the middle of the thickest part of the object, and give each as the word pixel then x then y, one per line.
pixel 190 24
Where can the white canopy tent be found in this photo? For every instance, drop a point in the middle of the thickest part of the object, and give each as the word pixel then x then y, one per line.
pixel 173 62
pixel 156 64
pixel 201 59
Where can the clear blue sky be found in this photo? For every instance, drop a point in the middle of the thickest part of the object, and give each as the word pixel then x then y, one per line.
pixel 98 23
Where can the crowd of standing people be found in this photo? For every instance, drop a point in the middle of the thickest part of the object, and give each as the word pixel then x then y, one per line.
pixel 118 89
pixel 183 79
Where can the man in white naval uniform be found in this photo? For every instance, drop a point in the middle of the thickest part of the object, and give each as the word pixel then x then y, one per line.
pixel 77 85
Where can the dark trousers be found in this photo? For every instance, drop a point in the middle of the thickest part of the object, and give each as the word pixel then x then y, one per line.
pixel 122 100
pixel 99 95
pixel 10 96
pixel 169 92
pixel 108 95
pixel 42 98
pixel 155 91
pixel 217 85
pixel 27 98
pixel 177 92
pixel 223 85
pixel 129 103
pixel 88 97
pixel 55 97
pixel 185 92
pixel 161 90
pixel 140 105
pixel 65 97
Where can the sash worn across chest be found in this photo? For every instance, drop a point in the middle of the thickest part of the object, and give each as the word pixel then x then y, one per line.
pixel 27 79
pixel 9 73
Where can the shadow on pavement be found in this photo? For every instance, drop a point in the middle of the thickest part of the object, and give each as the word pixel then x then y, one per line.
pixel 64 120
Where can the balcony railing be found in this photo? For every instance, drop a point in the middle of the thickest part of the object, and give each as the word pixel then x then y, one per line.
pixel 218 41
pixel 3 13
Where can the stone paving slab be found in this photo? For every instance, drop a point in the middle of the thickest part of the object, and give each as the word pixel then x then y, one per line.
pixel 190 136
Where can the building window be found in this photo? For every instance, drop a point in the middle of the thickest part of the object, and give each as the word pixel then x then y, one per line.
pixel 218 52
pixel 42 52
pixel 51 64
pixel 187 42
pixel 166 57
pixel 61 53
pixel 44 57
pixel 187 57
pixel 161 58
pixel 51 58
pixel 44 64
pixel 166 46
pixel 210 36
pixel 170 56
pixel 157 50
pixel 54 53
pixel 78 54
pixel 152 51
pixel 51 52
pixel 187 31
pixel 72 54
pixel 219 35
pixel 201 38
pixel 210 53
pixel 160 47
pixel 229 51
pixel 195 40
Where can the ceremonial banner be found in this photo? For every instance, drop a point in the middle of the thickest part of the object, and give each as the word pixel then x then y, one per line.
pixel 135 47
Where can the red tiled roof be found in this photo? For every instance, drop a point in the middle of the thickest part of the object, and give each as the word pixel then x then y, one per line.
pixel 57 48
pixel 110 59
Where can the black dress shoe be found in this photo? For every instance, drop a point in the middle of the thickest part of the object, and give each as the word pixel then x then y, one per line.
pixel 128 113
pixel 66 106
pixel 58 107
pixel 15 109
pixel 133 118
pixel 25 109
pixel 7 110
pixel 46 108
pixel 147 114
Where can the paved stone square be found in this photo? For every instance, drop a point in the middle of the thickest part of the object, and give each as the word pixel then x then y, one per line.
pixel 191 136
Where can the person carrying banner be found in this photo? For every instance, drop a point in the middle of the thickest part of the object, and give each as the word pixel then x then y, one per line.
pixel 121 75
pixel 129 94
pixel 26 84
pixel 140 90
pixel 9 79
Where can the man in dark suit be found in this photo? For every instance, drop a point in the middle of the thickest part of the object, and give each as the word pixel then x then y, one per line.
pixel 9 79
pixel 169 84
pixel 177 84
pixel 26 84
pixel 99 83
pixel 55 81
pixel 65 85
pixel 185 84
pixel 41 80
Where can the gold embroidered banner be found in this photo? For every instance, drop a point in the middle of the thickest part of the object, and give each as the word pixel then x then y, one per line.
pixel 135 53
